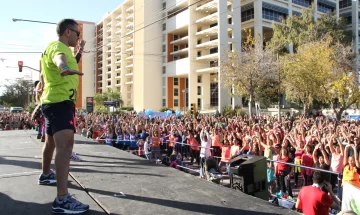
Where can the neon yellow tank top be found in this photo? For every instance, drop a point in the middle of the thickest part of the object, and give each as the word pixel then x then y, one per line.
pixel 58 88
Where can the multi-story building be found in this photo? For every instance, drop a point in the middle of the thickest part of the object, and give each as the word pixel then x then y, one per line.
pixel 129 53
pixel 349 10
pixel 199 37
pixel 86 64
pixel 168 53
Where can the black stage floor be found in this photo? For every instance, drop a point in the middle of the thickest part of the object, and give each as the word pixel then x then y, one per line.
pixel 113 181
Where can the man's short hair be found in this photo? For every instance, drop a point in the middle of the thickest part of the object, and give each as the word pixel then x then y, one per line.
pixel 318 177
pixel 63 25
pixel 36 83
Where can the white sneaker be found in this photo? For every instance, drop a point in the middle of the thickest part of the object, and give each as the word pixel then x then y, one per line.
pixel 75 157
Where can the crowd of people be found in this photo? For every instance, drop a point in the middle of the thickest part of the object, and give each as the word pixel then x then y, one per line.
pixel 317 142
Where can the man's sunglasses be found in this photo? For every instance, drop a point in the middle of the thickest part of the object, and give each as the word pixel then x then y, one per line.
pixel 77 32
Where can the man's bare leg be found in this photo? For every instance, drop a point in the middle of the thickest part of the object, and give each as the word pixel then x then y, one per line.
pixel 47 154
pixel 64 141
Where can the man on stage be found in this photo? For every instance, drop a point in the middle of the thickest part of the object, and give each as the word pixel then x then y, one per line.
pixel 61 79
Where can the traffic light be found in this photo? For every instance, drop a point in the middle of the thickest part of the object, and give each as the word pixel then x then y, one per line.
pixel 20 64
pixel 193 109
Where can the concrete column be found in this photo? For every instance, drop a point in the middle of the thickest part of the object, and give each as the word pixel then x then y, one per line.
pixel 236 26
pixel 224 98
pixel 355 29
pixel 192 29
pixel 258 28
pixel 205 91
pixel 337 10
pixel 316 9
pixel 123 89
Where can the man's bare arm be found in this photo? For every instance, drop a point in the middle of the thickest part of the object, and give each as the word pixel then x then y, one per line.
pixel 61 62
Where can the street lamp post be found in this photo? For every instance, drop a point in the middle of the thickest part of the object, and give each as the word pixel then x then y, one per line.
pixel 184 92
pixel 26 20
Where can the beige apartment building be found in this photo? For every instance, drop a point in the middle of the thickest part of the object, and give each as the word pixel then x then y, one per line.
pixel 167 53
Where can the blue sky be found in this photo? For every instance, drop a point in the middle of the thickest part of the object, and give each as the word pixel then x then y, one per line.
pixel 33 37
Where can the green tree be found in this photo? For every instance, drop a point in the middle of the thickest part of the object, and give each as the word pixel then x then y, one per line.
pixel 109 95
pixel 308 73
pixel 299 30
pixel 344 88
pixel 16 93
pixel 248 71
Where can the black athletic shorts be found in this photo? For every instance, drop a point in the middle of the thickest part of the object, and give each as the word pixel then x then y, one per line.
pixel 59 116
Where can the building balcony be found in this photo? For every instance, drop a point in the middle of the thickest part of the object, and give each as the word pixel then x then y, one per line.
pixel 118 62
pixel 108 79
pixel 109 24
pixel 108 58
pixel 118 32
pixel 130 17
pixel 129 74
pixel 209 57
pixel 118 17
pixel 131 49
pixel 108 65
pixel 131 57
pixel 208 32
pixel 118 54
pixel 129 66
pixel 178 67
pixel 118 69
pixel 131 41
pixel 108 86
pixel 118 77
pixel 118 24
pixel 109 30
pixel 129 82
pixel 180 52
pixel 118 46
pixel 209 44
pixel 208 70
pixel 130 26
pixel 100 81
pixel 180 41
pixel 109 37
pixel 108 72
pixel 130 9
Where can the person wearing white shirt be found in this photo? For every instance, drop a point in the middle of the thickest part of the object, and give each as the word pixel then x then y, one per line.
pixel 205 149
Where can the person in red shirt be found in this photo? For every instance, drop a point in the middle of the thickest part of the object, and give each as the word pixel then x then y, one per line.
pixel 318 198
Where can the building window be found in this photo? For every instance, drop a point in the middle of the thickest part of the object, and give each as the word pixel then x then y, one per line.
pixel 247 15
pixel 163 91
pixel 176 37
pixel 163 59
pixel 164 48
pixel 325 8
pixel 164 70
pixel 199 91
pixel 176 58
pixel 199 54
pixel 176 102
pixel 109 75
pixel 199 42
pixel 164 27
pixel 163 81
pixel 164 5
pixel 164 37
pixel 213 25
pixel 199 104
pixel 117 81
pixel 176 81
pixel 109 83
pixel 164 102
pixel 230 21
pixel 214 50
pixel 176 92
pixel 345 3
pixel 199 79
pixel 273 15
pixel 176 48
pixel 305 3
pixel 214 94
